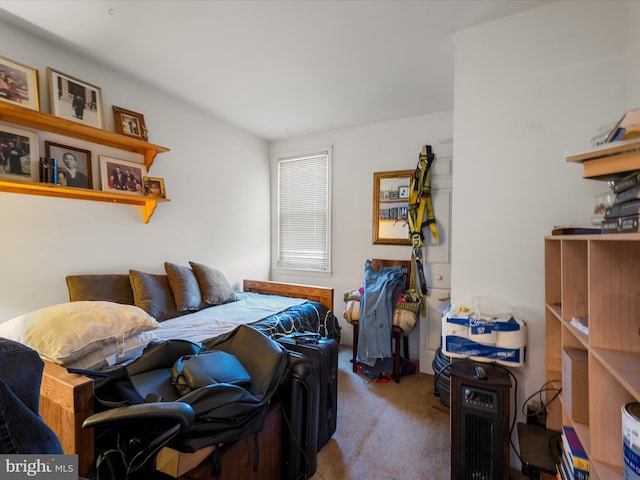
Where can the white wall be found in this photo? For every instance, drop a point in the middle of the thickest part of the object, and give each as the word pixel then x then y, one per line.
pixel 358 153
pixel 528 90
pixel 633 85
pixel 212 217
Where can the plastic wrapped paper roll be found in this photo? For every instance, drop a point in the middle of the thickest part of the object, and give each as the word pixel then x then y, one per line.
pixel 511 334
pixel 482 332
pixel 457 327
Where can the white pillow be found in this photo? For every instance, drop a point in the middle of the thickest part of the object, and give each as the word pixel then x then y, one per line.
pixel 66 332
pixel 114 352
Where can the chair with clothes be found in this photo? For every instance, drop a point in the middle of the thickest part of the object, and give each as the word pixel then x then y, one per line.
pixel 397 333
pixel 22 430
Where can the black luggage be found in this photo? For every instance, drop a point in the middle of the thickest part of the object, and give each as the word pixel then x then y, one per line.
pixel 300 397
pixel 324 353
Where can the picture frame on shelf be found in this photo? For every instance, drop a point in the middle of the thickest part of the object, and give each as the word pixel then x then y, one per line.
pixel 75 99
pixel 129 123
pixel 73 163
pixel 154 187
pixel 122 176
pixel 403 192
pixel 19 84
pixel 19 153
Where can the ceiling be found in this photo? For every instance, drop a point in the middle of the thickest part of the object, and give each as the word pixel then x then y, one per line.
pixel 277 69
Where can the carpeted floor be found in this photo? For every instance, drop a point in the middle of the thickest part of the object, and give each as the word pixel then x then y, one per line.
pixel 386 431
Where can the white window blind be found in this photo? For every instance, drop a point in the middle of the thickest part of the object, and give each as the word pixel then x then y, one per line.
pixel 303 212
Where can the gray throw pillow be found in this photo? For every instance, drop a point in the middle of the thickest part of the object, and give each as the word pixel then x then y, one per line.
pixel 214 286
pixel 153 294
pixel 185 288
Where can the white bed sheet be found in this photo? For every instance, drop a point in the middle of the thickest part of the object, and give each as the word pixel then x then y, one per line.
pixel 214 321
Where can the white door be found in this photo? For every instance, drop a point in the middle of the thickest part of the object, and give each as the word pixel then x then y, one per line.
pixel 437 257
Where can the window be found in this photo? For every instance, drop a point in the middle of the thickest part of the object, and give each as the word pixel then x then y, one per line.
pixel 302 220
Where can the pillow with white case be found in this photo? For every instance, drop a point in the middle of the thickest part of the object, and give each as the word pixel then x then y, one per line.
pixel 66 332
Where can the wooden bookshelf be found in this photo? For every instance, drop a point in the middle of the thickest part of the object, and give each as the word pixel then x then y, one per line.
pixel 597 276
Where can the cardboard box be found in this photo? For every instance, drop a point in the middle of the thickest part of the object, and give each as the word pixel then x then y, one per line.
pixel 575 384
pixel 175 463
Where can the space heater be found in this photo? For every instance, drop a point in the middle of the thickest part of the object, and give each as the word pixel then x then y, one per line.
pixel 479 421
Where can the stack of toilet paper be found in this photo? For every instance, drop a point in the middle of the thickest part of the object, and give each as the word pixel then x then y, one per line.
pixel 469 334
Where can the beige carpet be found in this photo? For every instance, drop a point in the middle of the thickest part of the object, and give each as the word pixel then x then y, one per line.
pixel 386 430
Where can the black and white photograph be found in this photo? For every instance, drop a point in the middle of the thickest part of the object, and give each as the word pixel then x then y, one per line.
pixel 129 123
pixel 75 99
pixel 74 164
pixel 18 153
pixel 121 176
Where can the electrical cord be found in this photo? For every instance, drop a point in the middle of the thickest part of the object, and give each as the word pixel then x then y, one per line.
pixel 543 404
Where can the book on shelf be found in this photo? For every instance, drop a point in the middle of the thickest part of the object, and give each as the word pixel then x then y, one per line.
pixel 629 194
pixel 632 207
pixel 581 323
pixel 627 123
pixel 563 474
pixel 628 224
pixel 632 131
pixel 626 182
pixel 577 458
pixel 572 472
pixel 48 169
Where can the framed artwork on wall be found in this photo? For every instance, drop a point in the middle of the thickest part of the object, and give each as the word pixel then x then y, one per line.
pixel 74 164
pixel 19 84
pixel 75 99
pixel 154 187
pixel 129 123
pixel 18 153
pixel 121 176
pixel 391 207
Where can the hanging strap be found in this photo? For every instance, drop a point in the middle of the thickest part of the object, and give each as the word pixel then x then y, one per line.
pixel 421 205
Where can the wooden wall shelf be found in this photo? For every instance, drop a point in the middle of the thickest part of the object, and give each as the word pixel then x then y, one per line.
pixel 148 204
pixel 609 160
pixel 18 115
pixel 44 121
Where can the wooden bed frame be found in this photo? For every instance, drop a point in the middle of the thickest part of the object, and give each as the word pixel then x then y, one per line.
pixel 66 399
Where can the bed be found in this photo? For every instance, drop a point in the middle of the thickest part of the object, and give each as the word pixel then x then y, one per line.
pixel 67 399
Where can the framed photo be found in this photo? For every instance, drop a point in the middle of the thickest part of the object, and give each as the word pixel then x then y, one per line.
pixel 75 99
pixel 19 84
pixel 74 164
pixel 120 176
pixel 154 187
pixel 129 123
pixel 18 153
pixel 403 192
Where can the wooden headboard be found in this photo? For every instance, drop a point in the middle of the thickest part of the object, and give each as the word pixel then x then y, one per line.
pixel 323 295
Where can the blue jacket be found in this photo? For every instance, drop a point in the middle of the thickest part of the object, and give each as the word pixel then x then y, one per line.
pixel 381 284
